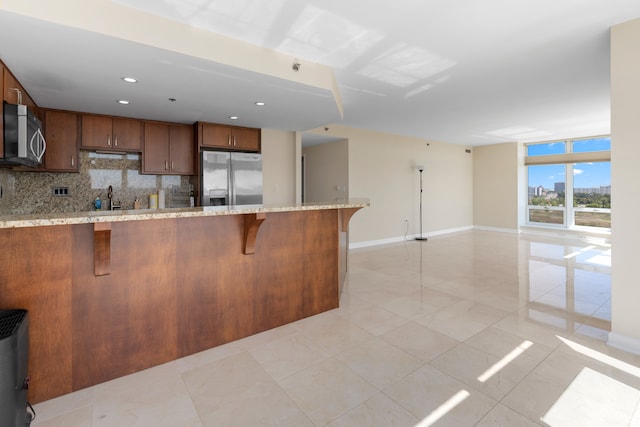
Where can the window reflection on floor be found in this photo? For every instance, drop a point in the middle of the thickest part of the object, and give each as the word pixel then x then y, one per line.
pixel 568 285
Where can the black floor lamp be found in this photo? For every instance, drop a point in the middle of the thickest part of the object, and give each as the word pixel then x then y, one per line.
pixel 420 168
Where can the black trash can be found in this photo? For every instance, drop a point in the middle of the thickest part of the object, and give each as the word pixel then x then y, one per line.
pixel 14 349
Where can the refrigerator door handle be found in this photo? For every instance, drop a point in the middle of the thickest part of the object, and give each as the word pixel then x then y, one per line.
pixel 230 185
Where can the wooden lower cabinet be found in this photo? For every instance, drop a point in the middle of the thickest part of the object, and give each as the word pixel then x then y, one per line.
pixel 176 287
pixel 38 278
pixel 123 322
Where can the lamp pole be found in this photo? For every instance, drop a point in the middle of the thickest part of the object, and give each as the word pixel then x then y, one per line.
pixel 421 237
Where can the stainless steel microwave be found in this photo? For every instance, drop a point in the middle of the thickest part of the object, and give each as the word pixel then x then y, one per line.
pixel 24 142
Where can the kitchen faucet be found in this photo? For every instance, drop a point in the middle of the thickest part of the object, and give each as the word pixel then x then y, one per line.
pixel 112 205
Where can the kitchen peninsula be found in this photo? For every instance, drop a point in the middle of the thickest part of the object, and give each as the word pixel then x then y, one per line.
pixel 112 293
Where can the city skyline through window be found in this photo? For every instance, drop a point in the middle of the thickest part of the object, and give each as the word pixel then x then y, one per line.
pixel 572 193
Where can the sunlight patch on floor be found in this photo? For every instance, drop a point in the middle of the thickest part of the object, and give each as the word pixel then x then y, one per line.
pixel 443 409
pixel 500 364
pixel 601 357
pixel 593 399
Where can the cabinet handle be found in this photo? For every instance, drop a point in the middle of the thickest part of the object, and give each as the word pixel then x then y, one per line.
pixel 229 140
pixel 115 141
pixel 109 140
pixel 234 140
pixel 172 166
pixel 166 164
pixel 72 162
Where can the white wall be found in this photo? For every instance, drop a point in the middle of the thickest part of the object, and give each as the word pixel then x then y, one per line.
pixel 625 176
pixel 495 186
pixel 382 169
pixel 279 167
pixel 326 171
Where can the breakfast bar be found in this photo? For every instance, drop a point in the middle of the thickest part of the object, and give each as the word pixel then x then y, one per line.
pixel 110 293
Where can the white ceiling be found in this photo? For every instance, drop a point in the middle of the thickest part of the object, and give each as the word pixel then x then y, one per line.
pixel 461 71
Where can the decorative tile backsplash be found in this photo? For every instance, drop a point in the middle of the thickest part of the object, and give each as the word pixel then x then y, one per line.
pixel 23 192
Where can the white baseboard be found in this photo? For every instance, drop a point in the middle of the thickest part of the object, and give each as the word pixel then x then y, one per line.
pixel 596 237
pixel 501 230
pixel 622 342
pixel 369 243
pixel 407 238
pixel 449 231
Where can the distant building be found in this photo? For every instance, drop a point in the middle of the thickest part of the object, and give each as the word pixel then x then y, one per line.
pixel 603 189
pixel 559 187
pixel 539 191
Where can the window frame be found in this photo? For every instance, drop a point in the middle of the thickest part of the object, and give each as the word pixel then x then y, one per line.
pixel 569 159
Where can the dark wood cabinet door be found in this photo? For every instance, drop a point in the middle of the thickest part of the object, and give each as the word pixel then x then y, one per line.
pixel 181 150
pixel 96 132
pixel 230 137
pixel 127 134
pixel 61 134
pixel 155 153
pixel 111 133
pixel 246 139
pixel 218 136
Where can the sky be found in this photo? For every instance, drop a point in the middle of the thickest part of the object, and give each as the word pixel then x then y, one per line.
pixel 585 175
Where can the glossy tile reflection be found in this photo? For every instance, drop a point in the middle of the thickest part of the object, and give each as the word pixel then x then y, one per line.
pixel 475 328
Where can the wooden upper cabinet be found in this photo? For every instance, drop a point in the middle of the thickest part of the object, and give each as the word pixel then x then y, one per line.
pixel 61 134
pixel 247 139
pixel 216 136
pixel 155 153
pixel 96 132
pixel 13 90
pixel 111 133
pixel 168 149
pixel 230 137
pixel 127 134
pixel 182 149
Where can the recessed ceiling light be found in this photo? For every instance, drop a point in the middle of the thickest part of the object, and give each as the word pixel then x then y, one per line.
pixel 233 117
pixel 259 103
pixel 123 102
pixel 130 80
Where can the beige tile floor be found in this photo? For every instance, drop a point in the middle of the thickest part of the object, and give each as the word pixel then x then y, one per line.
pixel 475 328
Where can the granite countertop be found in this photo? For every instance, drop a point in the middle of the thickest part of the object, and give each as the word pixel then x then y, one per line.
pixel 89 217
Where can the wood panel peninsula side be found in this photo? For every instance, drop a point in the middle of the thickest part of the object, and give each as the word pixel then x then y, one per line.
pixel 112 293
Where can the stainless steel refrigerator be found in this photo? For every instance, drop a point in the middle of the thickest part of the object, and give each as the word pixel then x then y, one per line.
pixel 231 178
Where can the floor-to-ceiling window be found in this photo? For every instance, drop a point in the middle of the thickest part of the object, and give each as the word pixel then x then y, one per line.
pixel 569 183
